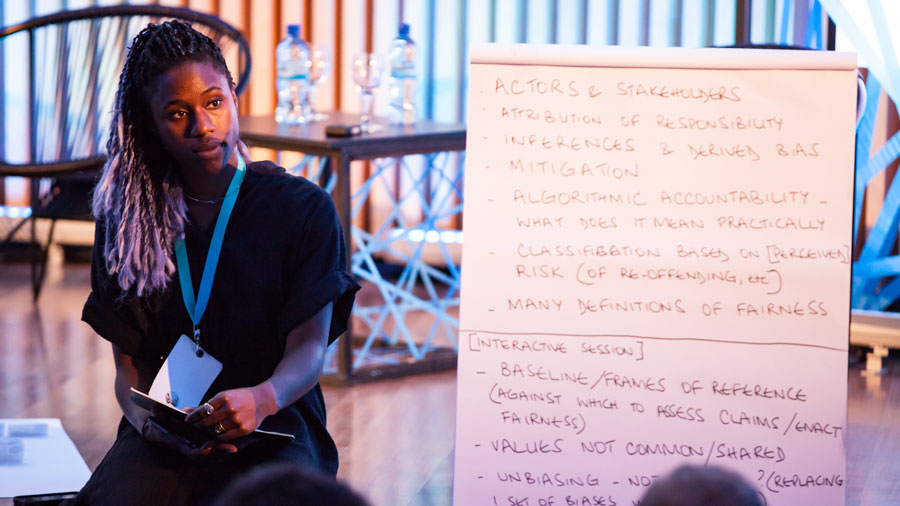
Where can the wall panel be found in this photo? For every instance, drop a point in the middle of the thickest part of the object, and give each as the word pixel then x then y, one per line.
pixel 539 21
pixel 353 42
pixel 385 21
pixel 262 95
pixel 443 29
pixel 322 31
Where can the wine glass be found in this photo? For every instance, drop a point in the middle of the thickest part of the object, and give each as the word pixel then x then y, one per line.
pixel 367 71
pixel 319 64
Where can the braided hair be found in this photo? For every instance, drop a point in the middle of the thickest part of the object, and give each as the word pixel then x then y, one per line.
pixel 138 198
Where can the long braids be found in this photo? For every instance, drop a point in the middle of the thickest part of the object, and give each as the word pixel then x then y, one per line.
pixel 137 197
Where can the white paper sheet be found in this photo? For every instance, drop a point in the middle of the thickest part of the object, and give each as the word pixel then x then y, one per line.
pixel 658 273
pixel 52 464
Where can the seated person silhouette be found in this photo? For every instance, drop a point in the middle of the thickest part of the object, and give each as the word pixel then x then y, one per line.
pixel 701 486
pixel 284 483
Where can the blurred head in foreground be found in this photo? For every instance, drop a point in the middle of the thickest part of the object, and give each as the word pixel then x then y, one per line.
pixel 701 486
pixel 288 485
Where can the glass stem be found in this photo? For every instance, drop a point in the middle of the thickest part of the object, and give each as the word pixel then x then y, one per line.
pixel 311 97
pixel 367 103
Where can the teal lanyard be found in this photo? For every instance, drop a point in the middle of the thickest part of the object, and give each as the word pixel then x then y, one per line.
pixel 195 309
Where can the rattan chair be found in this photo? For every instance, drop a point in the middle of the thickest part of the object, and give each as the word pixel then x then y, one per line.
pixel 74 59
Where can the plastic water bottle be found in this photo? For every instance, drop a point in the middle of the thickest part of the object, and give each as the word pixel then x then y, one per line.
pixel 403 78
pixel 292 83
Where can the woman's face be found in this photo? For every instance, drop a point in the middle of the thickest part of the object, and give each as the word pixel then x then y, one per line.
pixel 194 112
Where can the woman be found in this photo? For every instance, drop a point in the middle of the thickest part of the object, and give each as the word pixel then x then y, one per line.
pixel 174 182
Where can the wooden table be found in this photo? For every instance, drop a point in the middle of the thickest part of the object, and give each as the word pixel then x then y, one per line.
pixel 390 141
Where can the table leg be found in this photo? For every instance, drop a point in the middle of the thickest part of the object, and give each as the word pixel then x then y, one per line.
pixel 340 165
pixel 35 242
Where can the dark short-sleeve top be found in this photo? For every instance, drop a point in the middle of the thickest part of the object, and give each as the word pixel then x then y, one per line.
pixel 282 260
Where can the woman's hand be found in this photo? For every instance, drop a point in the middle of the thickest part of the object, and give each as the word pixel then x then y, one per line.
pixel 128 373
pixel 238 412
pixel 156 434
pixel 234 413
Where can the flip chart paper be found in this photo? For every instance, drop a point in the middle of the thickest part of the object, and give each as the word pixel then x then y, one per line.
pixel 656 271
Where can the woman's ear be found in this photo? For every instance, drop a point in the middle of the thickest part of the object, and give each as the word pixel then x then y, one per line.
pixel 244 151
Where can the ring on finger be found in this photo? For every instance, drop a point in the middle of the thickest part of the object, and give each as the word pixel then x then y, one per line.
pixel 219 428
pixel 207 408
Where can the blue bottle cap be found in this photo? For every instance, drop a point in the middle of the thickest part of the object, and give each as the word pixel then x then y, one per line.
pixel 403 32
pixel 294 30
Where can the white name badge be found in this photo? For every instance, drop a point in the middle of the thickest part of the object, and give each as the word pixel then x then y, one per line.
pixel 185 375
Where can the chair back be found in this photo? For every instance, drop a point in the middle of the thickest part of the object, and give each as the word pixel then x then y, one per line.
pixel 55 114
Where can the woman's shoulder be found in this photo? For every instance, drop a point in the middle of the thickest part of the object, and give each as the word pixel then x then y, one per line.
pixel 277 187
pixel 266 167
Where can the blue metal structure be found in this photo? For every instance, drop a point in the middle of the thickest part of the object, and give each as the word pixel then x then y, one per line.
pixel 875 286
pixel 426 281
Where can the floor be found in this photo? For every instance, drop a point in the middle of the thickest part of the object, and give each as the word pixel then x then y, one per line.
pixel 395 437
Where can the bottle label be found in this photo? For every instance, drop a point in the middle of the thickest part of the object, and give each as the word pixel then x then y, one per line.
pixel 291 70
pixel 403 70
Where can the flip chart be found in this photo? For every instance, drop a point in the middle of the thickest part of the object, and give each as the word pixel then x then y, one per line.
pixel 655 272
